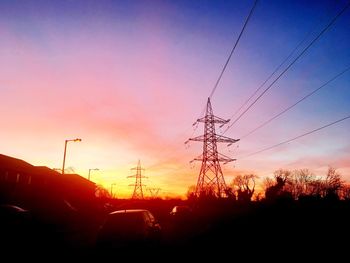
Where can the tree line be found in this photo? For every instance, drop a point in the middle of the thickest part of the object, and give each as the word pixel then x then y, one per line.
pixel 287 184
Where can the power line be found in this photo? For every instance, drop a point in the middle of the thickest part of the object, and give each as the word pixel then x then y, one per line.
pixel 275 71
pixel 296 103
pixel 233 49
pixel 227 61
pixel 290 65
pixel 295 138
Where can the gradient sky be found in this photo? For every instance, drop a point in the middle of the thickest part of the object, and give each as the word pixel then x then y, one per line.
pixel 130 78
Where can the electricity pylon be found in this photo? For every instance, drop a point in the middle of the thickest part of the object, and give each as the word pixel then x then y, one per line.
pixel 211 179
pixel 154 192
pixel 138 193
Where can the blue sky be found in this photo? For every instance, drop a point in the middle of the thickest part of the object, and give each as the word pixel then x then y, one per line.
pixel 131 77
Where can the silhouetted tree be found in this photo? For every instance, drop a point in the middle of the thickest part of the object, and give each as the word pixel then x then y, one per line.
pixel 332 184
pixel 257 196
pixel 267 183
pixel 207 193
pixel 230 193
pixel 69 170
pixel 191 193
pixel 299 183
pixel 345 192
pixel 245 187
pixel 302 183
pixel 101 192
pixel 316 188
pixel 277 190
pixel 282 175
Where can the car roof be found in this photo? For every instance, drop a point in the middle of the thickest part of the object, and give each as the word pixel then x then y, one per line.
pixel 14 208
pixel 181 206
pixel 126 211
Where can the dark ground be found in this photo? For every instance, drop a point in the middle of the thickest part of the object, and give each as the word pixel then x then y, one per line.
pixel 284 230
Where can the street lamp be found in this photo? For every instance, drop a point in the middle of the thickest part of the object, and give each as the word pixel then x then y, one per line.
pixel 94 169
pixel 65 149
pixel 112 189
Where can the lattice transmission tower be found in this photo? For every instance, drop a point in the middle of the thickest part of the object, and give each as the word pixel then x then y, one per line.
pixel 210 177
pixel 138 192
pixel 154 192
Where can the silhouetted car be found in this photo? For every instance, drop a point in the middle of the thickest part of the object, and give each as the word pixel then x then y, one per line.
pixel 11 209
pixel 13 216
pixel 181 211
pixel 15 226
pixel 183 225
pixel 129 227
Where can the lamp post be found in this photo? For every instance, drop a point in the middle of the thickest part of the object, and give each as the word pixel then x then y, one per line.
pixel 94 169
pixel 65 150
pixel 112 189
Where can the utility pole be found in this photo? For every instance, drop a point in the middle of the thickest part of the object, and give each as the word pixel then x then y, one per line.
pixel 211 179
pixel 138 192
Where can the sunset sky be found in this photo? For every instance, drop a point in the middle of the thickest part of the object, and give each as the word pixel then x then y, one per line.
pixel 130 77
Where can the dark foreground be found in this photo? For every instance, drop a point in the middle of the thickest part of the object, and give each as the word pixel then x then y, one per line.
pixel 282 230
